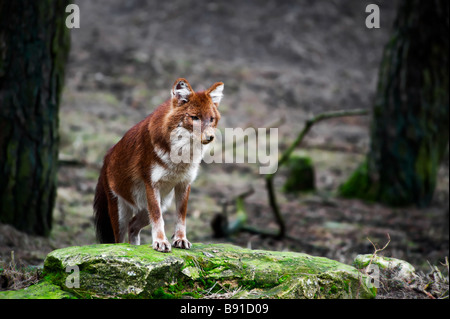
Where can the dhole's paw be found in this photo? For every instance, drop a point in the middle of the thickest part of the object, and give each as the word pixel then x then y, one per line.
pixel 162 246
pixel 182 243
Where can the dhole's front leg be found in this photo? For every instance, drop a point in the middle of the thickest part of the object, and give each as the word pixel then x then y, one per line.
pixel 181 199
pixel 160 242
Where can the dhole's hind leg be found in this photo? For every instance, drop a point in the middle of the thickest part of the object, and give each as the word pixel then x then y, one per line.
pixel 125 213
pixel 139 221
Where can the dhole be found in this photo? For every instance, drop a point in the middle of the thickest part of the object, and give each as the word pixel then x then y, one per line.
pixel 138 178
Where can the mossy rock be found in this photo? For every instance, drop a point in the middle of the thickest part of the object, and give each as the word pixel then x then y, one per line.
pixel 301 175
pixel 391 267
pixel 127 271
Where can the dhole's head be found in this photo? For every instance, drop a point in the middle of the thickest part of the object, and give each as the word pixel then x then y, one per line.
pixel 196 109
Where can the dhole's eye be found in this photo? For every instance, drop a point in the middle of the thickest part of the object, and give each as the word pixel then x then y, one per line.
pixel 211 119
pixel 195 118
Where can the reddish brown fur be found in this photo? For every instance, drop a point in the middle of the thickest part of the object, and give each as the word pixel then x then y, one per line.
pixel 130 161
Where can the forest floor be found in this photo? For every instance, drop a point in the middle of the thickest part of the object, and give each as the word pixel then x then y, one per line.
pixel 279 62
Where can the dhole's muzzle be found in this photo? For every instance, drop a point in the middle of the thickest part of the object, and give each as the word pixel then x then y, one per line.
pixel 208 135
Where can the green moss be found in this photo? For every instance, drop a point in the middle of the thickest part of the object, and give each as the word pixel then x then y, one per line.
pixel 283 279
pixel 125 271
pixel 43 290
pixel 347 286
pixel 301 175
pixel 333 290
pixel 359 185
pixel 161 294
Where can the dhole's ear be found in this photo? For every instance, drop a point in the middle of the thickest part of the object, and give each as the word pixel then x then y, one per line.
pixel 216 92
pixel 181 90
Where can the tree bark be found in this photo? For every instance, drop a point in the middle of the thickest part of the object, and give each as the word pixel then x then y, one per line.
pixel 409 132
pixel 34 45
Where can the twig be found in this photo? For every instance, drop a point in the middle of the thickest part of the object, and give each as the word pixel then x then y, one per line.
pixel 208 292
pixel 370 262
pixel 446 265
pixel 376 252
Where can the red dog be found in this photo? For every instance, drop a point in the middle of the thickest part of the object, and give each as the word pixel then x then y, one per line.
pixel 139 177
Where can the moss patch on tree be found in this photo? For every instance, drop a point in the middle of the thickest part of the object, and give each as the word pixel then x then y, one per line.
pixel 301 175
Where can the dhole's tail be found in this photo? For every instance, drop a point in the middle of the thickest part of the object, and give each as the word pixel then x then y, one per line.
pixel 103 227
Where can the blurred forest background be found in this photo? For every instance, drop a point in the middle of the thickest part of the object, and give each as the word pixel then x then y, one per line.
pixel 281 62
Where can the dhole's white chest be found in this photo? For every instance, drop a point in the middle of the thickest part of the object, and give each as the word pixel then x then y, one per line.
pixel 163 177
pixel 172 173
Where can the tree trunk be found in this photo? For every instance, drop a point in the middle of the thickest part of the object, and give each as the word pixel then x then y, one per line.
pixel 34 44
pixel 409 132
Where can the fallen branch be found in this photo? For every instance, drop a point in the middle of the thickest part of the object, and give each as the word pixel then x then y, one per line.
pixel 285 157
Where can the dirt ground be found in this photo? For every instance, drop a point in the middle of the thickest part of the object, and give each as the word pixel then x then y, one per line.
pixel 280 61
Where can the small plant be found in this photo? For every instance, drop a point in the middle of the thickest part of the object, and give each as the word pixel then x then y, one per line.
pixel 377 250
pixel 398 281
pixel 14 276
pixel 433 284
